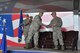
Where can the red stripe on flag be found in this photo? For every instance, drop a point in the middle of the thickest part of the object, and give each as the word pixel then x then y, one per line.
pixel 13 44
pixel 10 43
pixel 16 32
pixel 17 16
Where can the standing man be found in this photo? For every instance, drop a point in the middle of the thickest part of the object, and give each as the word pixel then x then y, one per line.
pixel 34 29
pixel 56 24
pixel 26 26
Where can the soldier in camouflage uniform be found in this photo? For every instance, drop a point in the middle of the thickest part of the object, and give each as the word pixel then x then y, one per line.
pixel 56 24
pixel 26 26
pixel 34 29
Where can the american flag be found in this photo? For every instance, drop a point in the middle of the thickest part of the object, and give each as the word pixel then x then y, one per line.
pixel 11 29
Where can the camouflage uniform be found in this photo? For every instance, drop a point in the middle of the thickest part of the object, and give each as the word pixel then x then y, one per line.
pixel 26 26
pixel 34 29
pixel 57 34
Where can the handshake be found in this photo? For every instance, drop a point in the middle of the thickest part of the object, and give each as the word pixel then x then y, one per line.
pixel 47 26
pixel 50 26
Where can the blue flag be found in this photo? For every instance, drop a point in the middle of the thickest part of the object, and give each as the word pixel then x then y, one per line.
pixel 4 43
pixel 20 31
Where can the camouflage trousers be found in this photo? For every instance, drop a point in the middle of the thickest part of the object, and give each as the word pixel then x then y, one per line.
pixel 33 33
pixel 57 35
pixel 25 32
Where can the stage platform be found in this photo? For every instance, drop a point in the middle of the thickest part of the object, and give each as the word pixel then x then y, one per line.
pixel 32 50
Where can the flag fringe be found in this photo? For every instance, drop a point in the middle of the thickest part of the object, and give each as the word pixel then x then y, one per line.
pixel 0 50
